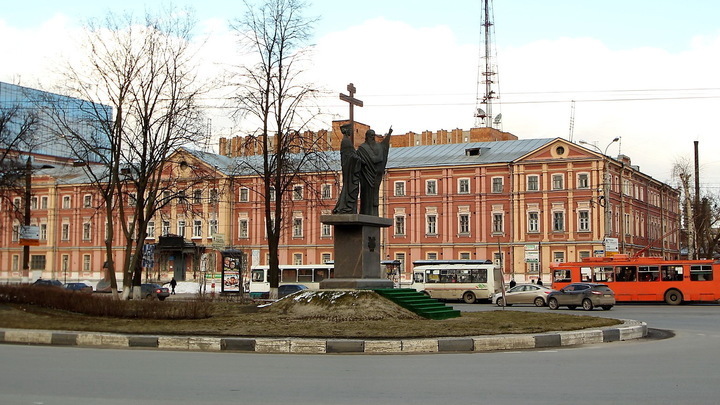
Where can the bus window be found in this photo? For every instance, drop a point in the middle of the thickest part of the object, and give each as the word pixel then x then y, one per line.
pixel 648 273
pixel 432 276
pixel 320 274
pixel 464 276
pixel 258 275
pixel 289 276
pixel 701 273
pixel 671 273
pixel 625 273
pixel 478 276
pixel 562 276
pixel 585 274
pixel 603 274
pixel 305 276
pixel 418 277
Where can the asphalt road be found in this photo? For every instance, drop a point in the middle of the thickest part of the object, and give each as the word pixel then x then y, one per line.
pixel 679 370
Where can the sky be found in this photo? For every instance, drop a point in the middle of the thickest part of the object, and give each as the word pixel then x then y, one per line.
pixel 647 71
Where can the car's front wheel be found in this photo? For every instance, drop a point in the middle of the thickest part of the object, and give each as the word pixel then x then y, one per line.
pixel 587 304
pixel 539 302
pixel 500 302
pixel 553 303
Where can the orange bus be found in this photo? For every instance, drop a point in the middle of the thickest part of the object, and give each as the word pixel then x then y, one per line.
pixel 645 278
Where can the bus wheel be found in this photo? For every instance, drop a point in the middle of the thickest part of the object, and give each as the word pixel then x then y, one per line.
pixel 673 297
pixel 553 304
pixel 539 302
pixel 587 304
pixel 469 297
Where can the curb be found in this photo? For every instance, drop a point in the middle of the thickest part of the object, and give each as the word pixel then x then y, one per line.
pixel 629 330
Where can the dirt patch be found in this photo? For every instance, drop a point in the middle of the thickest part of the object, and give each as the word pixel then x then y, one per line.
pixel 337 305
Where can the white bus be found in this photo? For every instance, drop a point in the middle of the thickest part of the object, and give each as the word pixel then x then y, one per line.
pixel 309 275
pixel 466 280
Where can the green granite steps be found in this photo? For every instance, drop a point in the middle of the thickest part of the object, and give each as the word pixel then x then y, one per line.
pixel 418 303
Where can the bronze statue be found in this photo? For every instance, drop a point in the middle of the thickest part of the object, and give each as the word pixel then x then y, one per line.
pixel 363 167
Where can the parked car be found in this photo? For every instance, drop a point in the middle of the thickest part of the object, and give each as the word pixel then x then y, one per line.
pixel 79 287
pixel 47 283
pixel 152 291
pixel 524 294
pixel 587 295
pixel 287 289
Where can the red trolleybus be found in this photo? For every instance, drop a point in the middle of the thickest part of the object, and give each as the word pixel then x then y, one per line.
pixel 645 278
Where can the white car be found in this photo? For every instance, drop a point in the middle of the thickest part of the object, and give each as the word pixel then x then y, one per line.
pixel 524 294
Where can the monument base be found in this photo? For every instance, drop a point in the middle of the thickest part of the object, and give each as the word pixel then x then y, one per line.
pixel 355 283
pixel 357 252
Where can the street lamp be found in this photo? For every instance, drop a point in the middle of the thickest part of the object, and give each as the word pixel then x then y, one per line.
pixel 605 202
pixel 26 221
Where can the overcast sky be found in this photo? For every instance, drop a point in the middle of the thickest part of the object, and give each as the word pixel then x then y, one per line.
pixel 647 71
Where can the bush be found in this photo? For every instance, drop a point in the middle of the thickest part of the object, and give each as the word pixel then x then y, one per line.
pixel 90 304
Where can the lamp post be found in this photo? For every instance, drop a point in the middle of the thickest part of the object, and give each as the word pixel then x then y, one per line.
pixel 26 220
pixel 606 185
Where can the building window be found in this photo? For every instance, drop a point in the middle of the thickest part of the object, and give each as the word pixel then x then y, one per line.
pixel 245 194
pixel 432 224
pixel 584 221
pixel 464 255
pixel 165 228
pixel 214 196
pixel 558 221
pixel 325 258
pixel 181 228
pixel 87 230
pixel 15 262
pixel 86 263
pixel 297 227
pixel 66 202
pixel 431 256
pixel 16 233
pixel 33 203
pixel 37 262
pixel 297 193
pixel 43 202
pixel 212 227
pixel 533 183
pixel 197 197
pixel 533 222
pixel 65 232
pixel 557 182
pixel 463 186
pixel 197 228
pixel 87 201
pixel 583 180
pixel 399 225
pixel 399 188
pixel 464 224
pixel 243 229
pixel 325 230
pixel 43 231
pixel 326 192
pixel 297 259
pixel 272 193
pixel 533 267
pixel 431 187
pixel 497 223
pixel 401 258
pixel 497 184
pixel 558 257
pixel 151 229
pixel 132 198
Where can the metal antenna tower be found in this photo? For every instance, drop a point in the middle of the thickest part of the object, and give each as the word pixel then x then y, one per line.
pixel 572 119
pixel 487 75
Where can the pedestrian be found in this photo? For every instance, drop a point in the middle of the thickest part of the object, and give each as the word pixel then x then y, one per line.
pixel 512 283
pixel 173 283
pixel 539 281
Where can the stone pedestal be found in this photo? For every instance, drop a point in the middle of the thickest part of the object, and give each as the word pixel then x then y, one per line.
pixel 357 252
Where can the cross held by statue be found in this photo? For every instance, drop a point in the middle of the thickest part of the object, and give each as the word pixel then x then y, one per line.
pixel 353 102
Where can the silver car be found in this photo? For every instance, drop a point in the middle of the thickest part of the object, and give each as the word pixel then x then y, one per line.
pixel 524 294
pixel 587 295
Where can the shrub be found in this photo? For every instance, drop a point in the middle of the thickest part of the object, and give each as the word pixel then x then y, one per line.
pixel 94 305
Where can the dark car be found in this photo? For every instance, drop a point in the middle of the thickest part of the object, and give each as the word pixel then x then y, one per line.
pixel 288 289
pixel 587 295
pixel 47 283
pixel 79 287
pixel 154 291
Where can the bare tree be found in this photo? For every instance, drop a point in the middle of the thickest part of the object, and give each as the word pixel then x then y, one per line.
pixel 17 134
pixel 143 69
pixel 272 93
